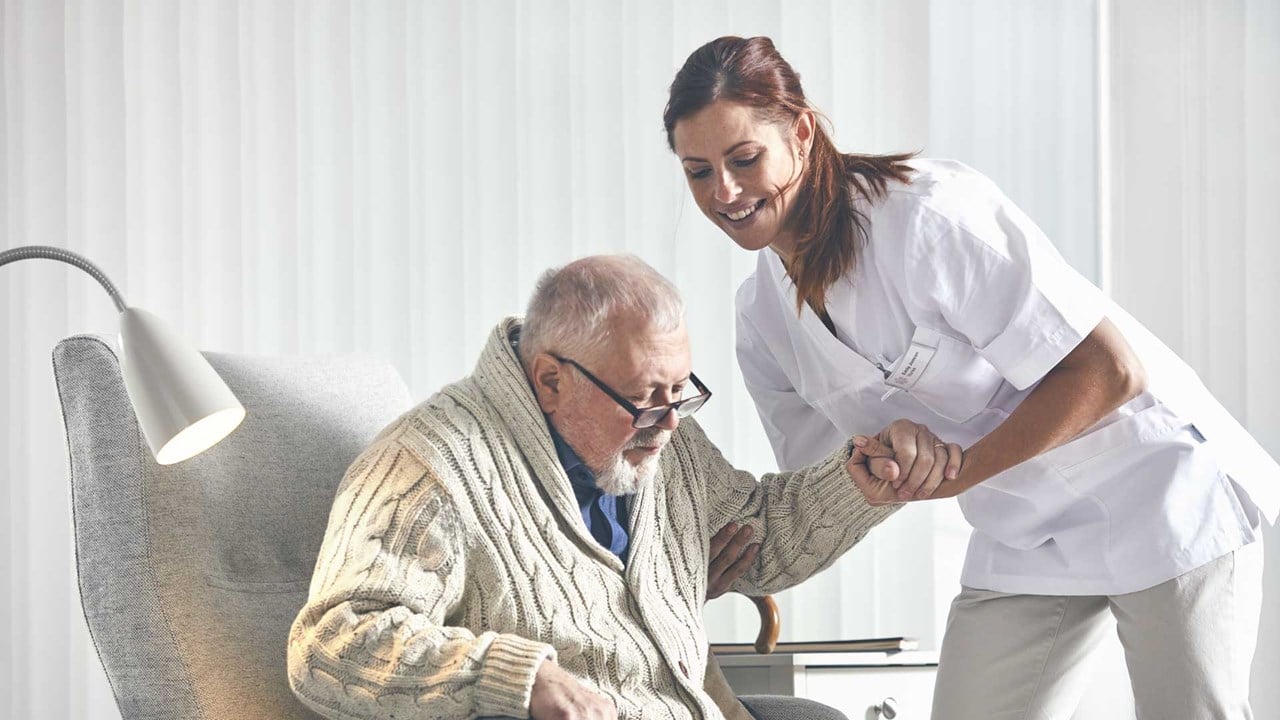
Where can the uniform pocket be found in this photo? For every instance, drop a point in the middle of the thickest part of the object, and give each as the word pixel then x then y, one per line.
pixel 1071 493
pixel 1145 425
pixel 945 375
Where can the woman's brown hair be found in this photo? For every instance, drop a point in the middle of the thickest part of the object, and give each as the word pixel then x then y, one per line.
pixel 829 229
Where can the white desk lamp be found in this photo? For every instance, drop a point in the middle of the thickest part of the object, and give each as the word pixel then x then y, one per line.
pixel 183 407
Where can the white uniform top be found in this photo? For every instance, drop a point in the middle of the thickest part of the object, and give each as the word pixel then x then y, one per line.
pixel 967 305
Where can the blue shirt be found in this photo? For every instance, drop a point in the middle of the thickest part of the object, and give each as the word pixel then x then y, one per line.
pixel 605 515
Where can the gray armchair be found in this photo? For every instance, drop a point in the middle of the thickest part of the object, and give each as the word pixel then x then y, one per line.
pixel 191 574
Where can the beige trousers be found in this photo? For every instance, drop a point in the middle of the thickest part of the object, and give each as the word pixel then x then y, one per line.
pixel 1188 644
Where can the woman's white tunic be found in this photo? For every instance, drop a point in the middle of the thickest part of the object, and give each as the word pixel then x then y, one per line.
pixel 957 308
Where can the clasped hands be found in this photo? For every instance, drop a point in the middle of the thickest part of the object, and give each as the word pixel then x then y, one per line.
pixel 903 463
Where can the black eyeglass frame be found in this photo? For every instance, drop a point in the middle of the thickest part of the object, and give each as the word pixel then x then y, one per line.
pixel 657 412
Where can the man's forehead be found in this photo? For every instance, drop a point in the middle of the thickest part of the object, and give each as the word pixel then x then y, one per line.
pixel 637 329
pixel 647 354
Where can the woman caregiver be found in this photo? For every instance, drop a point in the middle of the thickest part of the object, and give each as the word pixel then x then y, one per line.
pixel 1099 476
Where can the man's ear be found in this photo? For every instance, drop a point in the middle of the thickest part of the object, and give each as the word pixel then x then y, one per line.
pixel 546 377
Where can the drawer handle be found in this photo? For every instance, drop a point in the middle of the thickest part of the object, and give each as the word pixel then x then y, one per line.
pixel 887 709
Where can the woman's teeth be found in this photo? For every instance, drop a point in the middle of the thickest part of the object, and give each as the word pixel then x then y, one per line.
pixel 741 214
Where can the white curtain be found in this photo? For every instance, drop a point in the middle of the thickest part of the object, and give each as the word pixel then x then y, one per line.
pixel 389 177
pixel 1193 158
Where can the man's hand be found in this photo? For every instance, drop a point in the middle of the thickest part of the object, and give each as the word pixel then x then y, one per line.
pixel 906 461
pixel 557 695
pixel 875 488
pixel 731 555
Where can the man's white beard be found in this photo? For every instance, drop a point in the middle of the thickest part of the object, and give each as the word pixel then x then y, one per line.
pixel 623 478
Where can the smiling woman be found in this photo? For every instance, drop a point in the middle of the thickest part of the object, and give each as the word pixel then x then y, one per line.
pixel 897 287
pixel 743 174
pixel 746 136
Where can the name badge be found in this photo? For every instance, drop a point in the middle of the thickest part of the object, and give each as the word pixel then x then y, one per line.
pixel 907 371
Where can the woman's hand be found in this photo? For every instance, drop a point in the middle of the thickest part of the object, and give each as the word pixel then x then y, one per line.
pixel 905 462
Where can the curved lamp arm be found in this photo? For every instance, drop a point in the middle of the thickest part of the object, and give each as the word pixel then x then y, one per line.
pixel 28 252
pixel 183 407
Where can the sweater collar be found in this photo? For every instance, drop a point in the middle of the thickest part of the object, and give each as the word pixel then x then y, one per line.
pixel 502 380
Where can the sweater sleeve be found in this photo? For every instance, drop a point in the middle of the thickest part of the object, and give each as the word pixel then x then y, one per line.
pixel 373 640
pixel 803 520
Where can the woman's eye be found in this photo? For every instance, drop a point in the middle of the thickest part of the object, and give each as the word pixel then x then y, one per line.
pixel 699 174
pixel 747 162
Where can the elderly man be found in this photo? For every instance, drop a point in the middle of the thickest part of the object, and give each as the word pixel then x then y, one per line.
pixel 533 539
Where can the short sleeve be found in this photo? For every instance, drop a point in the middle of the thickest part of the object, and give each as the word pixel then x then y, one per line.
pixel 994 277
pixel 799 433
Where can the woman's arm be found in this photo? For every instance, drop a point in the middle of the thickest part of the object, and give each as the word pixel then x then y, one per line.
pixel 1098 376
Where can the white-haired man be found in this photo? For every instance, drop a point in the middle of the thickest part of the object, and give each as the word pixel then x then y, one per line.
pixel 532 541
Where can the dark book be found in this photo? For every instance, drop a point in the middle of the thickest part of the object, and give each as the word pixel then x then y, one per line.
pixel 890 644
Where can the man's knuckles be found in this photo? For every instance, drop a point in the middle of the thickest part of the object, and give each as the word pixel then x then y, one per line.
pixel 884 468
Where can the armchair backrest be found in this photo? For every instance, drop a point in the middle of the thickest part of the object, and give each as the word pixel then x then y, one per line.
pixel 191 574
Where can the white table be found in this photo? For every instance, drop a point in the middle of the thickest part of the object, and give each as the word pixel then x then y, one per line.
pixel 864 686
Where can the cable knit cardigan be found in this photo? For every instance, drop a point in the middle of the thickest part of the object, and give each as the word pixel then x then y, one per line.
pixel 456 561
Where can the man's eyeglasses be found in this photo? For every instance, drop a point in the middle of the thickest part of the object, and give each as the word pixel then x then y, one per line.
pixel 650 416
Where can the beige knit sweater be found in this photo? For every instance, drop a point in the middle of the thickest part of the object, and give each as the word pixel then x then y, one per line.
pixel 456 560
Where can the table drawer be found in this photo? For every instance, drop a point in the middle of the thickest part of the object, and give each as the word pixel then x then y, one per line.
pixel 860 692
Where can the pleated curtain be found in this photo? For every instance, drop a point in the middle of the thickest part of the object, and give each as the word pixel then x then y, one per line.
pixel 318 176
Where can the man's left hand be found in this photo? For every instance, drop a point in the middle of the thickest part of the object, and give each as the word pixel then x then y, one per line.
pixel 731 555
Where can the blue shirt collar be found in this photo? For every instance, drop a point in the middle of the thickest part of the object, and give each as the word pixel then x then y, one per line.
pixel 580 476
pixel 604 515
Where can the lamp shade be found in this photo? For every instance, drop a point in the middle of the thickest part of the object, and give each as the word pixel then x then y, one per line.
pixel 183 406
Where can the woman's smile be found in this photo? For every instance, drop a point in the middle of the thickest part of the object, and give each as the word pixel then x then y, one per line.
pixel 739 215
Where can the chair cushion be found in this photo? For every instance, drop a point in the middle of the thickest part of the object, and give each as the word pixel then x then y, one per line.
pixel 781 707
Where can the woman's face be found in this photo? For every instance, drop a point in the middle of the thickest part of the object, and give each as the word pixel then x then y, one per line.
pixel 738 166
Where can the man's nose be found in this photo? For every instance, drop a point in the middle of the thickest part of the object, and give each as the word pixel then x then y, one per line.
pixel 669 421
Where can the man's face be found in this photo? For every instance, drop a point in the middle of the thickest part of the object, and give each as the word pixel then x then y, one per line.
pixel 646 367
